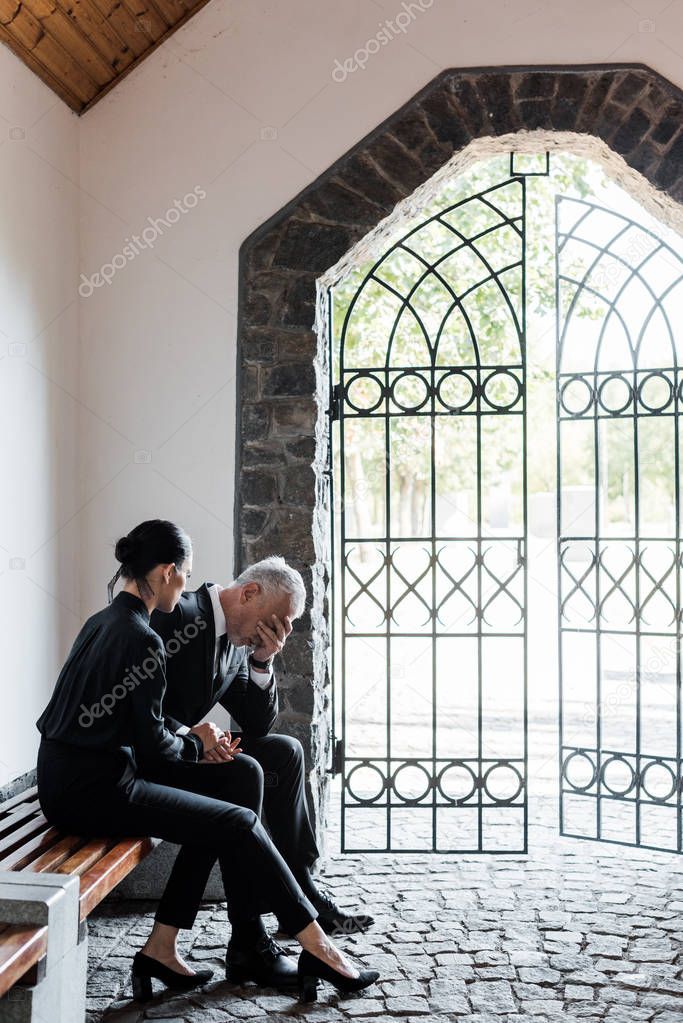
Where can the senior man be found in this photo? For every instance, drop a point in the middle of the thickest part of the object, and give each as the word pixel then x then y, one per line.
pixel 220 642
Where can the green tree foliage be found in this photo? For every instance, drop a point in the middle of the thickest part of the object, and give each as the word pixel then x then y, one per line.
pixel 397 314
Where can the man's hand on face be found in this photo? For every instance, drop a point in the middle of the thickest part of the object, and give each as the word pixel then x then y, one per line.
pixel 272 635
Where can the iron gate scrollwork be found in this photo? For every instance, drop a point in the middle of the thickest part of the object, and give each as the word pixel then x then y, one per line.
pixel 429 621
pixel 619 304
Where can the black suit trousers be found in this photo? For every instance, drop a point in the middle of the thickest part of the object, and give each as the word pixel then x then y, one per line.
pixel 268 776
pixel 100 794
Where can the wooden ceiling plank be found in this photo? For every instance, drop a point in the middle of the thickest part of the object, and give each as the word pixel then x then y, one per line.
pixel 147 18
pixel 81 49
pixel 173 28
pixel 30 33
pixel 124 24
pixel 56 24
pixel 171 10
pixel 98 29
pixel 23 27
pixel 52 81
pixel 53 56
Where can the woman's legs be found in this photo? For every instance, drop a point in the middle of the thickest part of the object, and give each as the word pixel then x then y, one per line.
pixel 246 854
pixel 241 782
pixel 88 794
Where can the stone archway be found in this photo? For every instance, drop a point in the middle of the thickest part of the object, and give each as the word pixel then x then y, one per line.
pixel 627 111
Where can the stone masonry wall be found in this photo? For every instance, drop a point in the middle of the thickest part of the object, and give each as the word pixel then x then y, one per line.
pixel 281 489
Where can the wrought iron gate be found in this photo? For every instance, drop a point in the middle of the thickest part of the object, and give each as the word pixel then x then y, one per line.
pixel 619 392
pixel 429 617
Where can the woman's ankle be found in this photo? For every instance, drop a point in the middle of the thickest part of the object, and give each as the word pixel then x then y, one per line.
pixel 161 942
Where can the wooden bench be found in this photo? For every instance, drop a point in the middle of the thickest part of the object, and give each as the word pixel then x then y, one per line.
pixel 30 846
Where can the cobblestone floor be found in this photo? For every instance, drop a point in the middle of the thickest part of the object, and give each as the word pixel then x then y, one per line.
pixel 573 930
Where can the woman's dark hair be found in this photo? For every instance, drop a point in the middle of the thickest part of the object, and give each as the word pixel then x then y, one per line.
pixel 154 542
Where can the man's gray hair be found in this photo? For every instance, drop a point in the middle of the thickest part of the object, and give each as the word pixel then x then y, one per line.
pixel 275 576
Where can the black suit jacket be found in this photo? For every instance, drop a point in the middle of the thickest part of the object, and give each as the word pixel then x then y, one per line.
pixel 189 636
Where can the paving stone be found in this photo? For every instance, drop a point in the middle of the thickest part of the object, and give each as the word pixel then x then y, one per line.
pixel 363 1007
pixel 448 996
pixel 537 975
pixel 408 1006
pixel 567 933
pixel 491 996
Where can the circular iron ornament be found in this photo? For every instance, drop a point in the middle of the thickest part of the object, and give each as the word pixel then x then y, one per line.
pixel 588 398
pixel 367 409
pixel 500 766
pixel 410 800
pixel 579 755
pixel 456 374
pixel 402 379
pixel 665 767
pixel 656 375
pixel 498 375
pixel 454 766
pixel 365 801
pixel 618 759
pixel 615 410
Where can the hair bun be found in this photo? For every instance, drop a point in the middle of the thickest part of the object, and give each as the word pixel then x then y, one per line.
pixel 123 549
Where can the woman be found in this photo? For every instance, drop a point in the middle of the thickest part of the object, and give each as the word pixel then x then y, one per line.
pixel 104 724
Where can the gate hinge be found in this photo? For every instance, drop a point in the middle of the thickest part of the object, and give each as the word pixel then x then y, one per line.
pixel 337 757
pixel 333 410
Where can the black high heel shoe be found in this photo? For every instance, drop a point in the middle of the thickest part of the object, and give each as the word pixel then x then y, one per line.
pixel 145 967
pixel 312 969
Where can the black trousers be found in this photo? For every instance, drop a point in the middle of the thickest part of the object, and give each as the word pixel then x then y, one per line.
pixel 101 794
pixel 268 776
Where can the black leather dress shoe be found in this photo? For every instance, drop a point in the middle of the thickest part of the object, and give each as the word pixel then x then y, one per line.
pixel 336 921
pixel 265 962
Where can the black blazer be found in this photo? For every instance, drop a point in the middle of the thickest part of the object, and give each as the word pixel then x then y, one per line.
pixel 110 692
pixel 189 636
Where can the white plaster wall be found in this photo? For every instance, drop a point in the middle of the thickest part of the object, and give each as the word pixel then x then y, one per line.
pixel 39 520
pixel 241 103
pixel 158 361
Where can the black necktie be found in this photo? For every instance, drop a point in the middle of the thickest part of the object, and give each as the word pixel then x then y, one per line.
pixel 222 650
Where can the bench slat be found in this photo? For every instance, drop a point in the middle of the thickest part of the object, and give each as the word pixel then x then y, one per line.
pixel 23 797
pixel 112 868
pixel 16 838
pixel 20 813
pixel 21 947
pixel 21 858
pixel 86 857
pixel 53 857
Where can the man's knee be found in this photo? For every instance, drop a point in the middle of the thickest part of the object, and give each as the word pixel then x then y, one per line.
pixel 284 762
pixel 243 781
pixel 287 749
